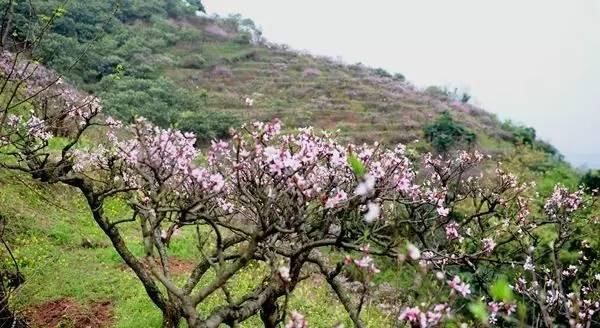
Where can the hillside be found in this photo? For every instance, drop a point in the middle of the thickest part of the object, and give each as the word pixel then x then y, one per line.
pixel 204 74
pixel 196 72
pixel 306 90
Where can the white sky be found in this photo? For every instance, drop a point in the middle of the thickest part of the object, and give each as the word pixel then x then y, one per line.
pixel 534 61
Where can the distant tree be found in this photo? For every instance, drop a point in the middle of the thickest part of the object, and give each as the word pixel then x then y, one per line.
pixel 197 4
pixel 445 93
pixel 399 77
pixel 382 72
pixel 465 97
pixel 521 135
pixel 445 134
pixel 206 126
pixel 195 61
pixel 591 179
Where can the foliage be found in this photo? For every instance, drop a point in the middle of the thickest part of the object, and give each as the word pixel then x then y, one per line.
pixel 116 50
pixel 399 77
pixel 591 179
pixel 523 135
pixel 520 134
pixel 206 125
pixel 445 134
pixel 193 61
pixel 382 72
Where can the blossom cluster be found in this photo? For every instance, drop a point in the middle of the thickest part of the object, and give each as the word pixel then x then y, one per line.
pixel 424 318
pixel 562 202
pixel 59 107
pixel 304 188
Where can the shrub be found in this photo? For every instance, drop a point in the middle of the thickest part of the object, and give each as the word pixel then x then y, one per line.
pixel 206 126
pixel 591 179
pixel 399 77
pixel 382 72
pixel 222 71
pixel 193 61
pixel 445 134
pixel 216 31
pixel 521 135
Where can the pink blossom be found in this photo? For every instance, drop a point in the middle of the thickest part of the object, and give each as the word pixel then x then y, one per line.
pixel 373 212
pixel 488 245
pixel 411 314
pixel 297 321
pixel 13 121
pixel 528 265
pixel 413 252
pixel 284 274
pixel 442 211
pixel 339 197
pixel 37 129
pixel 112 123
pixel 366 262
pixel 459 286
pixel 562 201
pixel 366 186
pixel 452 231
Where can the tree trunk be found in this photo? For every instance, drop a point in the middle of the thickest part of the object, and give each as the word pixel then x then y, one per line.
pixel 269 314
pixel 8 318
pixel 171 316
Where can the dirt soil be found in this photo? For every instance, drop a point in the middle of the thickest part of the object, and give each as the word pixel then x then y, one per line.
pixel 65 312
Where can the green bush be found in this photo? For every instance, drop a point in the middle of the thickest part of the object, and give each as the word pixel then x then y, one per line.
pixel 524 135
pixel 521 135
pixel 382 72
pixel 399 77
pixel 158 100
pixel 591 179
pixel 445 133
pixel 206 125
pixel 193 61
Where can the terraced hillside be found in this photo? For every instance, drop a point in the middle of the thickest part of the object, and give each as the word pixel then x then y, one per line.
pixel 304 90
pixel 177 68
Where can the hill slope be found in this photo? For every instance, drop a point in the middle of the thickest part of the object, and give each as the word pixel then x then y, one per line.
pixel 161 61
pixel 306 90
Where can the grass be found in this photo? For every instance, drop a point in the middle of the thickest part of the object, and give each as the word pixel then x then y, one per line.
pixel 49 224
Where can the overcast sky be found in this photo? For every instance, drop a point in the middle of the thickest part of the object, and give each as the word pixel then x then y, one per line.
pixel 533 61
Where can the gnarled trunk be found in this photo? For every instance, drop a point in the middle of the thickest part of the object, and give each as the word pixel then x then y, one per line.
pixel 172 315
pixel 269 313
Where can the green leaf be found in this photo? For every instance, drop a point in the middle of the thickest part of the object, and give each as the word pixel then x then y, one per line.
pixel 501 291
pixel 479 311
pixel 357 166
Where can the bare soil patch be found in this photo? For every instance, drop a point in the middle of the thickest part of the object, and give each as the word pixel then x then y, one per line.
pixel 64 312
